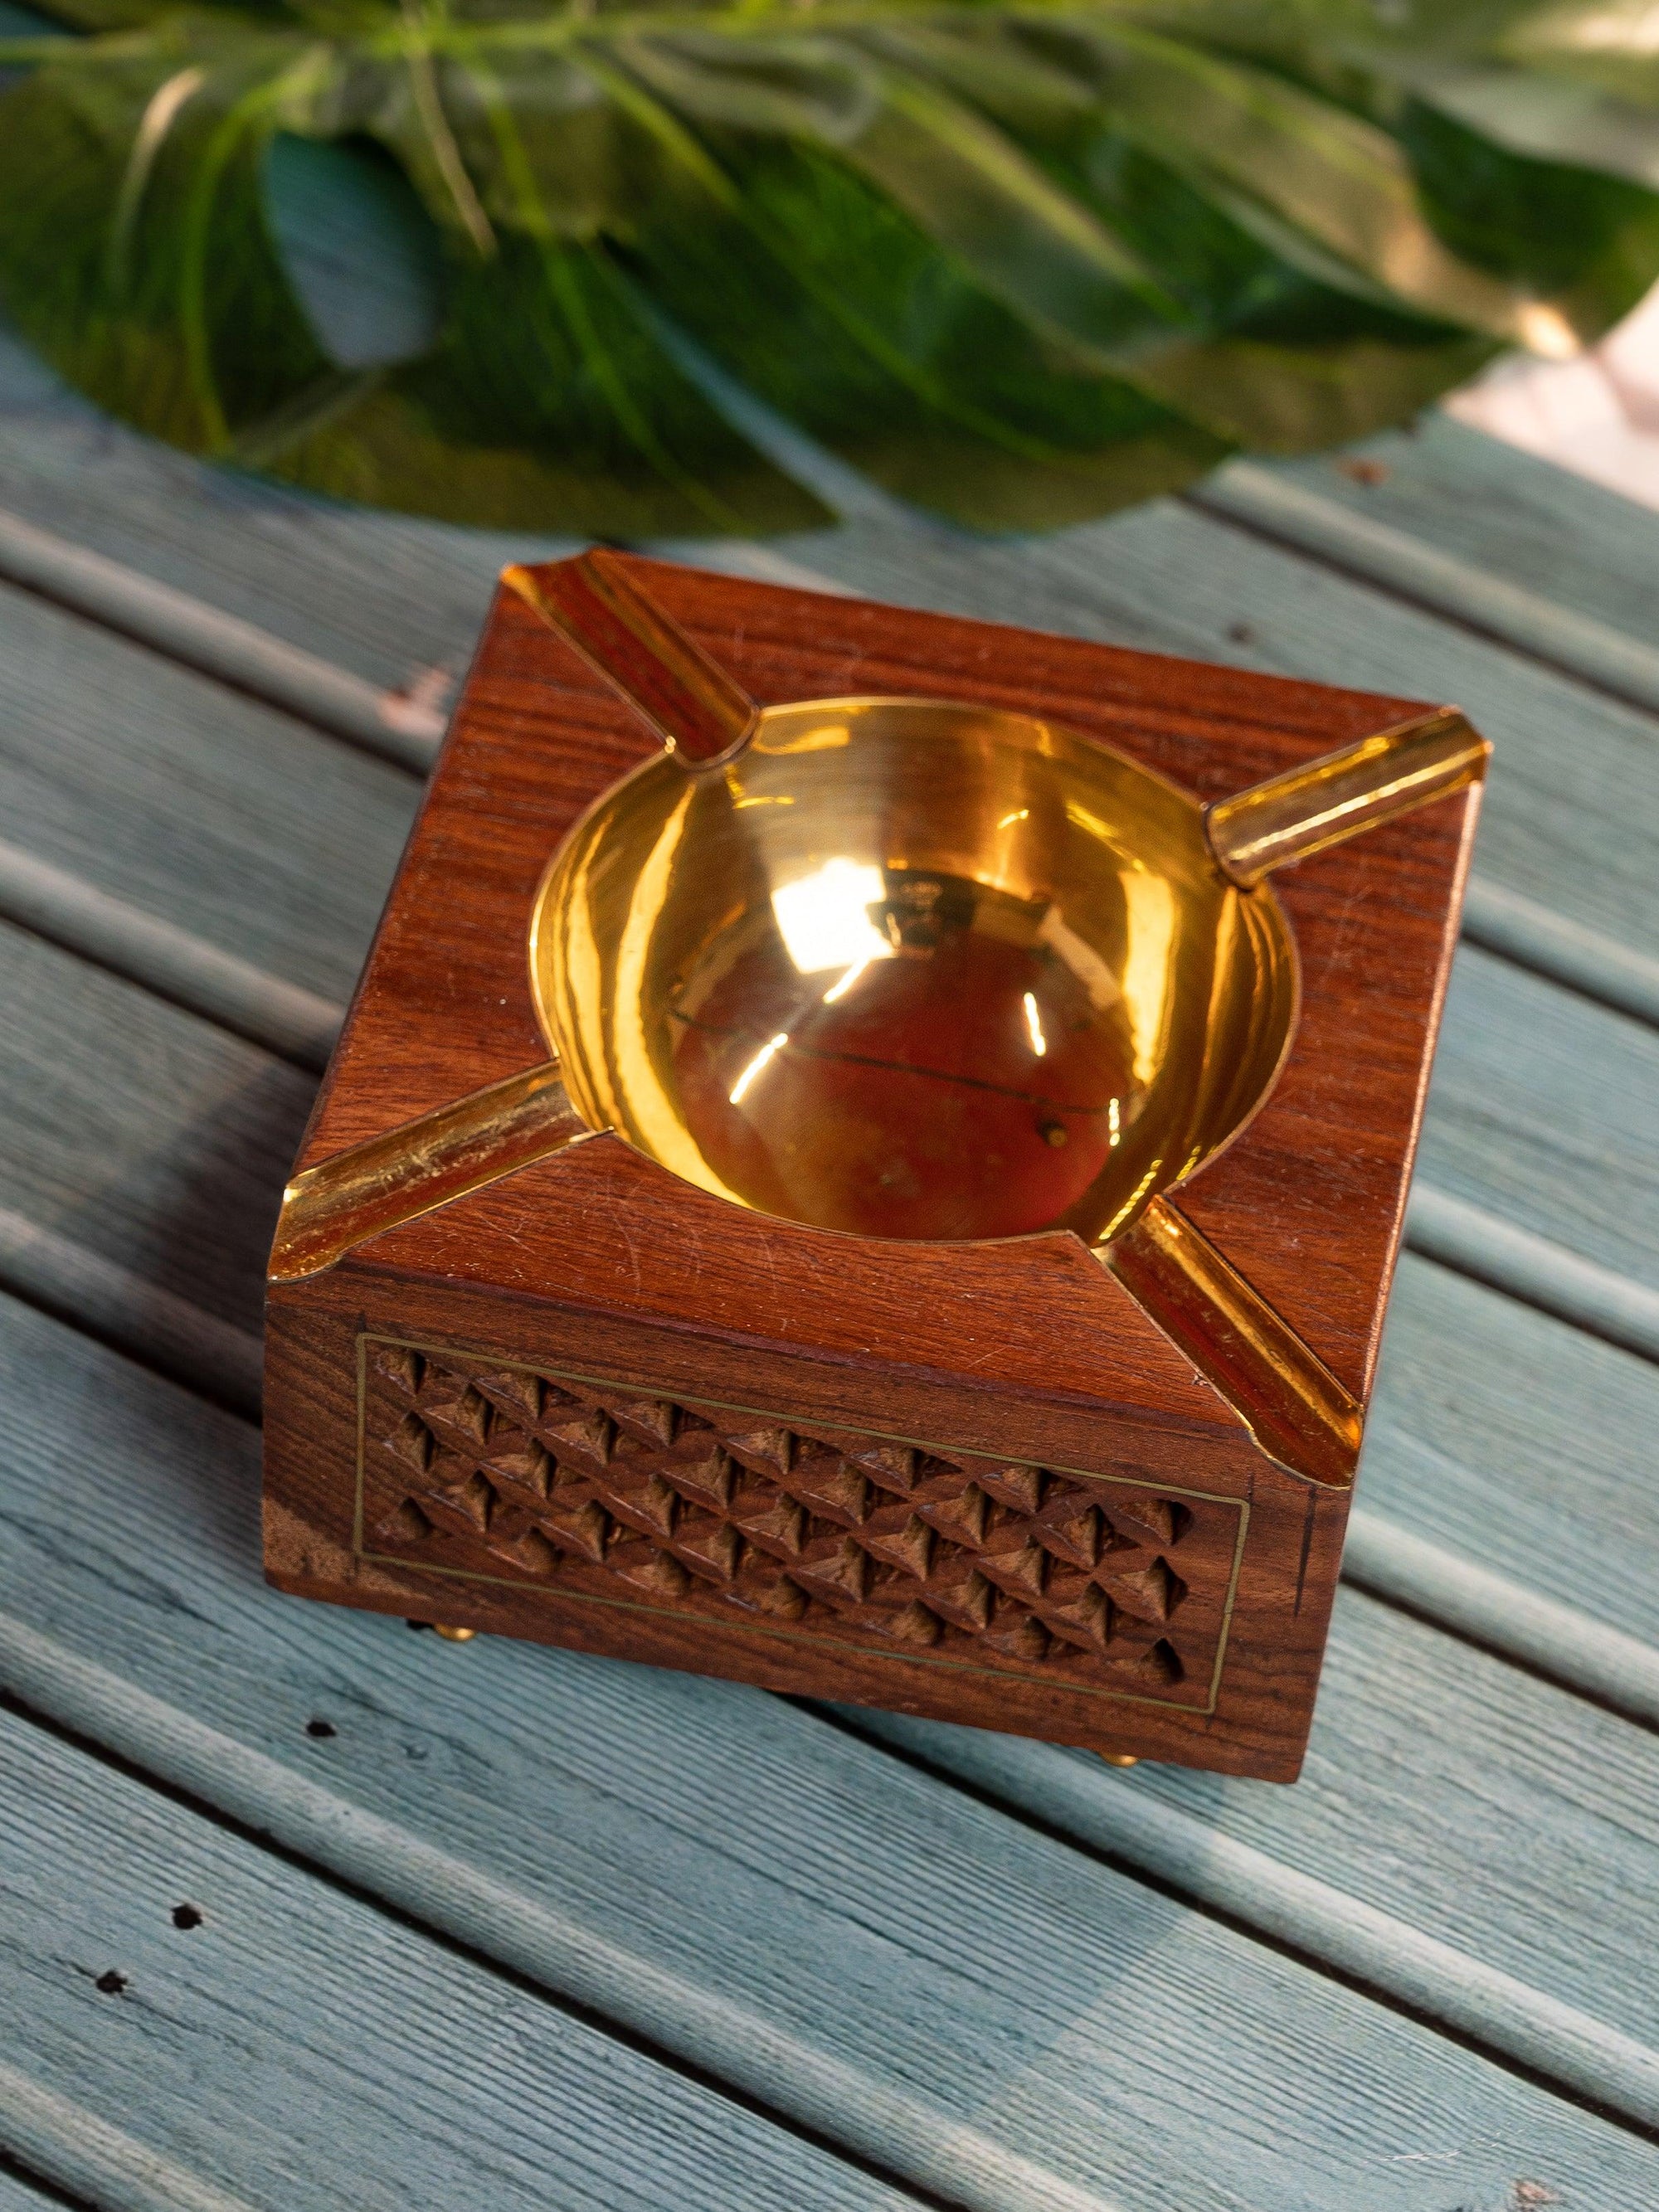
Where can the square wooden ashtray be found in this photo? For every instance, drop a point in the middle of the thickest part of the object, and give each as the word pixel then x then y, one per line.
pixel 845 1171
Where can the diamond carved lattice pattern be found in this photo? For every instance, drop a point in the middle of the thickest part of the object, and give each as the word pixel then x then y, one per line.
pixel 596 1490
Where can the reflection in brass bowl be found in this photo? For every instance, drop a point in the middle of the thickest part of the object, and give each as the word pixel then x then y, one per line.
pixel 912 969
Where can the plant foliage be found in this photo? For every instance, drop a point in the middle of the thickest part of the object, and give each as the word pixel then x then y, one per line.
pixel 1019 263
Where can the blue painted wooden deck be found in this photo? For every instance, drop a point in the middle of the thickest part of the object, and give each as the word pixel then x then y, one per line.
pixel 487 1927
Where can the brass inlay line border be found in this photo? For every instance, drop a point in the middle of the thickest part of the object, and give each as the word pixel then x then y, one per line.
pixel 600 1382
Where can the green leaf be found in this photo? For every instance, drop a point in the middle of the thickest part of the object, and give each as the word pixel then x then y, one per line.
pixel 507 263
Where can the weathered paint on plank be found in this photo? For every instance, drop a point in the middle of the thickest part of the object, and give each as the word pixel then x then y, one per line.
pixel 152 1139
pixel 192 802
pixel 1544 1110
pixel 122 1308
pixel 1449 586
pixel 1504 512
pixel 1533 935
pixel 386 597
pixel 999 2017
pixel 1523 1264
pixel 1427 1756
pixel 295 2050
pixel 404 731
pixel 1508 1438
pixel 1308 1910
pixel 294 1024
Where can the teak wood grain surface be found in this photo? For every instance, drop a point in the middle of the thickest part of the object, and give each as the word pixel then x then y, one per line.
pixel 783 1956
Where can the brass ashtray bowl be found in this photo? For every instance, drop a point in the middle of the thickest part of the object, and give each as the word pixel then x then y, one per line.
pixel 907 969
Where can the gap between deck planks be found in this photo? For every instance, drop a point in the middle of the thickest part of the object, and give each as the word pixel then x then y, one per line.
pixel 17 2195
pixel 782 1903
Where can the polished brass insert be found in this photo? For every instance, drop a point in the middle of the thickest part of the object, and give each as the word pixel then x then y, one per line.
pixel 409 1171
pixel 1288 1398
pixel 912 969
pixel 1301 812
pixel 693 709
pixel 915 969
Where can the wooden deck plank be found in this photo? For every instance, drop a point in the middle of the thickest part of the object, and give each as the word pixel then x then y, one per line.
pixel 386 595
pixel 1506 1437
pixel 1007 2021
pixel 1505 512
pixel 294 2049
pixel 403 729
pixel 145 1135
pixel 1424 1751
pixel 206 809
pixel 1544 1110
pixel 1508 1257
pixel 296 1024
pixel 1273 508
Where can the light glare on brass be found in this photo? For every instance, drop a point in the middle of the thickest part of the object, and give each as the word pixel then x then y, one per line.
pixel 773 1045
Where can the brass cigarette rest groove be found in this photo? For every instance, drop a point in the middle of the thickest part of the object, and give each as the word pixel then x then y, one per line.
pixel 907 968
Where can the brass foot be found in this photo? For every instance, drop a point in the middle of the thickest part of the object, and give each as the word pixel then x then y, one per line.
pixel 454 1635
pixel 1111 1758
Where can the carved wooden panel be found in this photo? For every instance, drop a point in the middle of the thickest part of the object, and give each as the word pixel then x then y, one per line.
pixel 937 1557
